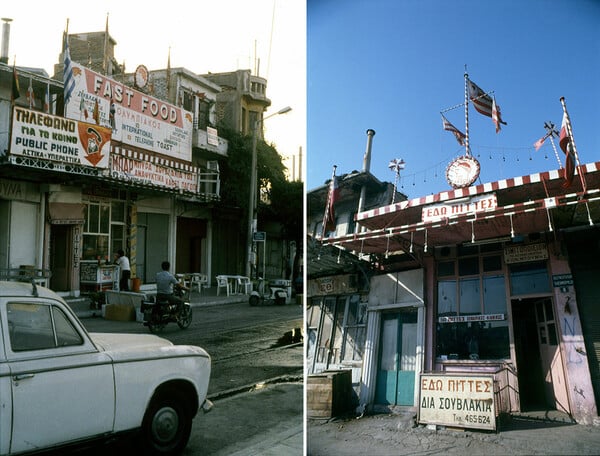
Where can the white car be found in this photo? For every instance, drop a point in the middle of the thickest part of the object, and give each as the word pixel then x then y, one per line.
pixel 60 385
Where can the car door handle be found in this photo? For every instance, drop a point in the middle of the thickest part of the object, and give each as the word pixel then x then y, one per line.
pixel 19 377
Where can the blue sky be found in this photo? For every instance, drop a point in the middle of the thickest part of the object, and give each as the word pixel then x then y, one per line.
pixel 393 65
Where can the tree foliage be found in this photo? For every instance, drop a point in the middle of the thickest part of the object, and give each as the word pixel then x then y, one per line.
pixel 285 198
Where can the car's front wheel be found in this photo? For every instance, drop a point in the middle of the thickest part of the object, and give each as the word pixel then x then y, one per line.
pixel 167 425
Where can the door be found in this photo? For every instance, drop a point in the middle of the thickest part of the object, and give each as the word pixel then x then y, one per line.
pixel 60 246
pixel 140 259
pixel 539 365
pixel 552 366
pixel 62 388
pixel 397 359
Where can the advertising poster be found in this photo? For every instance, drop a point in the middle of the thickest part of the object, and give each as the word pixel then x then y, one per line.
pixel 136 119
pixel 45 136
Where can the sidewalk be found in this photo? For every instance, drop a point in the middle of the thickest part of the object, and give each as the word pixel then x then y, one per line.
pixel 208 297
pixel 388 434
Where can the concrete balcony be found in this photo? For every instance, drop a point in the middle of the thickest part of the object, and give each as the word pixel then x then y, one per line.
pixel 217 145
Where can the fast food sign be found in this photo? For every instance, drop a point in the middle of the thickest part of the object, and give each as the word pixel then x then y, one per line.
pixel 465 401
pixel 136 118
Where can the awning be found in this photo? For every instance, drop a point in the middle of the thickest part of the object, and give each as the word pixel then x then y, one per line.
pixel 65 213
pixel 527 204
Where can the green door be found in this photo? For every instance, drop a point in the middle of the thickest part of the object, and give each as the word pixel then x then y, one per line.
pixel 397 359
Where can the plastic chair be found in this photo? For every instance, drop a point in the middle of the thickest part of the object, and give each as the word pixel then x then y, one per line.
pixel 196 282
pixel 245 285
pixel 222 282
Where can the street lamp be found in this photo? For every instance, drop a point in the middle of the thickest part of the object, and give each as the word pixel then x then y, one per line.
pixel 252 216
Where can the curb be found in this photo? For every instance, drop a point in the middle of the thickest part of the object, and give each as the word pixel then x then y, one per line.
pixel 255 386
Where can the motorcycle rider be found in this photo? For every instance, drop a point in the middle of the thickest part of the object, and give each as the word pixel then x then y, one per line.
pixel 164 286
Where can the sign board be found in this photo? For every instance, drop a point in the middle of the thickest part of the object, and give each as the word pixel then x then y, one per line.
pixel 524 253
pixel 562 280
pixel 469 318
pixel 45 136
pixel 136 119
pixel 437 212
pixel 459 400
pixel 130 170
pixel 259 236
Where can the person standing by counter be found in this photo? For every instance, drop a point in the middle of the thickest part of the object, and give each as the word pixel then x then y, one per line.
pixel 123 262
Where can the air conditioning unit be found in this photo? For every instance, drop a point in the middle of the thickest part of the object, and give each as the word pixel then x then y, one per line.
pixel 212 165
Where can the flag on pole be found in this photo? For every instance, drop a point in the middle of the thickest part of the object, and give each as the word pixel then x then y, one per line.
pixel 566 144
pixel 332 196
pixel 459 135
pixel 481 101
pixel 30 95
pixel 496 115
pixel 68 78
pixel 16 90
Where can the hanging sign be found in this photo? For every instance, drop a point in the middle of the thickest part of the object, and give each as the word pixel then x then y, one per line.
pixel 465 401
pixel 462 171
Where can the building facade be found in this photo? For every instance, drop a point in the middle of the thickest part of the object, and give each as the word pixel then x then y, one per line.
pixel 493 279
pixel 117 167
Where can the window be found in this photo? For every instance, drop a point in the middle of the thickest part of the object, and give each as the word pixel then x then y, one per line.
pixel 96 230
pixel 342 331
pixel 39 326
pixel 528 278
pixel 117 226
pixel 471 306
pixel 546 323
pixel 104 228
pixel 354 329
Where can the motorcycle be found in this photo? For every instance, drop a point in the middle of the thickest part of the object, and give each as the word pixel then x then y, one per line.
pixel 274 292
pixel 158 313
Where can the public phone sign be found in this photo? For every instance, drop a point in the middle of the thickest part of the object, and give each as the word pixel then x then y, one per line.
pixel 465 401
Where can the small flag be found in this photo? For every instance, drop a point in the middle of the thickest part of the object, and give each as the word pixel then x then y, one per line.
pixel 459 135
pixel 68 78
pixel 30 95
pixel 83 108
pixel 566 144
pixel 332 196
pixel 16 90
pixel 111 117
pixel 47 99
pixel 540 142
pixel 481 101
pixel 496 115
pixel 96 112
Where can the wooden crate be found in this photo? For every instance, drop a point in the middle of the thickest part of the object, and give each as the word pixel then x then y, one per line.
pixel 329 393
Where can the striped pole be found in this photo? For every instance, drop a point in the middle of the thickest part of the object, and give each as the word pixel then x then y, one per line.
pixel 467 148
